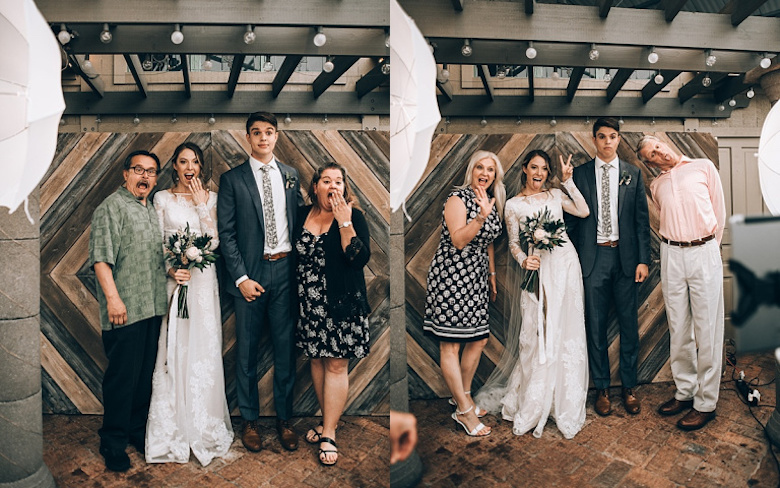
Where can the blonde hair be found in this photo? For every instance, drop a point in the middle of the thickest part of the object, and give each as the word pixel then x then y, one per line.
pixel 645 140
pixel 497 187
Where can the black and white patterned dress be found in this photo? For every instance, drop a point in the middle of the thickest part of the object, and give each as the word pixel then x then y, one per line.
pixel 456 305
pixel 318 334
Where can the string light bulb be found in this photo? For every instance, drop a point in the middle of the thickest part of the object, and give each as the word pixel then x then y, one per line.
pixel 652 58
pixel 519 121
pixel 268 66
pixel 174 119
pixel 483 122
pixel 249 35
pixel 530 53
pixel 327 66
pixel 136 120
pixel 658 78
pixel 593 54
pixel 288 120
pixel 466 50
pixel 553 122
pixel 208 65
pixel 621 121
pixel 212 120
pixel 319 38
pixel 721 107
pixel 764 63
pixel 652 122
pixel 750 93
pixel 706 81
pixel 325 119
pixel 63 35
pixel 710 58
pixel 386 68
pixel 105 35
pixel 177 37
pixel 607 76
pixel 732 103
pixel 443 75
pixel 555 74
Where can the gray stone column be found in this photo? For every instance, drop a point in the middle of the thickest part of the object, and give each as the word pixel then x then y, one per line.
pixel 399 384
pixel 21 423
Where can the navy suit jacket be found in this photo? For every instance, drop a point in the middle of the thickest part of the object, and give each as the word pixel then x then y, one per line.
pixel 240 220
pixel 633 222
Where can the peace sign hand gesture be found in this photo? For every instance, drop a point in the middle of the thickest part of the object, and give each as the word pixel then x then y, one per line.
pixel 567 169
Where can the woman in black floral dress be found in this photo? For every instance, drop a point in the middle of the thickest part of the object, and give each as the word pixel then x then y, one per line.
pixel 462 280
pixel 332 247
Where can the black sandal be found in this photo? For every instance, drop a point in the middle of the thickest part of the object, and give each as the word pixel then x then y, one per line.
pixel 317 435
pixel 328 451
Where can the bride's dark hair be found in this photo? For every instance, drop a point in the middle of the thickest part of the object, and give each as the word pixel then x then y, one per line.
pixel 528 157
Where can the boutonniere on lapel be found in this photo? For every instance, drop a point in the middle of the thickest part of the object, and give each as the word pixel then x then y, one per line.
pixel 625 179
pixel 289 181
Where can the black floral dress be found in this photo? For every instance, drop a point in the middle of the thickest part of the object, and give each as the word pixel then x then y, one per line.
pixel 318 334
pixel 456 305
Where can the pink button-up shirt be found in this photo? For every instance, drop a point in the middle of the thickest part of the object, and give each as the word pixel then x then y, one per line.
pixel 689 198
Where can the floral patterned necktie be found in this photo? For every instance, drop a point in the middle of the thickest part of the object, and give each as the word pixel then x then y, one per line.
pixel 268 208
pixel 606 215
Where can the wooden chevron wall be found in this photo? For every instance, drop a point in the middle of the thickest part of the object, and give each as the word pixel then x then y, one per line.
pixel 87 168
pixel 449 157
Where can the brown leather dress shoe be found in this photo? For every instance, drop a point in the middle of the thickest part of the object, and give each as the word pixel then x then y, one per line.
pixel 287 436
pixel 603 406
pixel 695 420
pixel 631 402
pixel 674 406
pixel 251 436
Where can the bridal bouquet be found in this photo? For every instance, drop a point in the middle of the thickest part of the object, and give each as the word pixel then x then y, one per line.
pixel 539 231
pixel 187 250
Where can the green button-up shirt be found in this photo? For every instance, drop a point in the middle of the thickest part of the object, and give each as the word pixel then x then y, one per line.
pixel 126 235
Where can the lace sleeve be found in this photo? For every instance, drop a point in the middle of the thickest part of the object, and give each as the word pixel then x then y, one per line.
pixel 207 213
pixel 574 203
pixel 512 216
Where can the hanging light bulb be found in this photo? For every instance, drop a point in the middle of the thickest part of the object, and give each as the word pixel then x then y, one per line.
pixel 466 50
pixel 607 76
pixel 587 120
pixel 652 58
pixel 98 120
pixel 483 122
pixel 714 122
pixel 652 122
pixel 62 121
pixel 519 121
pixel 386 68
pixel 659 78
pixel 177 37
pixel 721 107
pixel 387 39
pixel 268 66
pixel 553 122
pixel 136 120
pixel 208 65
pixel 105 35
pixel 174 119
pixel 288 120
pixel 327 66
pixel 750 93
pixel 500 73
pixel 443 75
pixel 212 120
pixel 706 81
pixel 555 74
pixel 325 119
pixel 764 63
pixel 710 59
pixel 63 35
pixel 621 121
pixel 530 53
pixel 732 103
pixel 593 54
pixel 249 35
pixel 319 38
pixel 88 67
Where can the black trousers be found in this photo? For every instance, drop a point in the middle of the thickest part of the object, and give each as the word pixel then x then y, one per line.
pixel 127 383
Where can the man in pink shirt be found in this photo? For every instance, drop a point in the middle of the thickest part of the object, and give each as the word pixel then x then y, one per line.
pixel 689 197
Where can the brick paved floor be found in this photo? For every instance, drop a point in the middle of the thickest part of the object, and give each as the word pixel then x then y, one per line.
pixel 617 451
pixel 71 453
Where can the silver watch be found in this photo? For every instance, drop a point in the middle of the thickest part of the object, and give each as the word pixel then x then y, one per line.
pixel 345 224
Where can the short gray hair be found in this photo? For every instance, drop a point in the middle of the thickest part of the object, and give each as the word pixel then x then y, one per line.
pixel 645 140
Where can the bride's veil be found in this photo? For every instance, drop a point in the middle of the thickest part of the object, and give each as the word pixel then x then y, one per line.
pixel 492 392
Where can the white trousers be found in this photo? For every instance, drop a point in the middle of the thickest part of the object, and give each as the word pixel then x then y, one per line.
pixel 692 284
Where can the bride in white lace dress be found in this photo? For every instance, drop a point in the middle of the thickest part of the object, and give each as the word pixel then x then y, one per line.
pixel 544 373
pixel 188 409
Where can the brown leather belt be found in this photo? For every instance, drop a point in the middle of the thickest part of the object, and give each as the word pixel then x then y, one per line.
pixel 608 244
pixel 275 257
pixel 697 242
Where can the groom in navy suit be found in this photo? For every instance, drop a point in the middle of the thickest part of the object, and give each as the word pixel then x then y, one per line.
pixel 613 244
pixel 256 213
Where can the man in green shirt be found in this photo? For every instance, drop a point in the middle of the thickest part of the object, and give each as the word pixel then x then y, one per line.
pixel 126 252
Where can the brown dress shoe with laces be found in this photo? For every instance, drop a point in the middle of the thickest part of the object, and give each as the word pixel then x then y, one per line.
pixel 675 406
pixel 631 402
pixel 287 436
pixel 251 436
pixel 695 420
pixel 603 406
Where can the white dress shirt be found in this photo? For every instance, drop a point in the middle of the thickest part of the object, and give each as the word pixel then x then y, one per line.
pixel 614 177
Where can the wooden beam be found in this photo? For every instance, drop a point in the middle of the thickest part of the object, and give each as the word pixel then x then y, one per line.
pixel 574 82
pixel 484 74
pixel 457 5
pixel 529 7
pixel 694 87
pixel 235 72
pixel 744 9
pixel 559 106
pixel 242 102
pixel 531 83
pixel 730 87
pixel 617 83
pixel 185 71
pixel 445 89
pixel 672 8
pixel 285 71
pixel 651 87
pixel 134 65
pixel 371 80
pixel 340 66
pixel 94 81
pixel 604 6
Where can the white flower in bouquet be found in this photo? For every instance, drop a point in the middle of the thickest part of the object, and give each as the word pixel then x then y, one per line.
pixel 192 253
pixel 539 235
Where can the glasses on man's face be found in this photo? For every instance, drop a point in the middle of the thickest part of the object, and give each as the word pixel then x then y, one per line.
pixel 151 172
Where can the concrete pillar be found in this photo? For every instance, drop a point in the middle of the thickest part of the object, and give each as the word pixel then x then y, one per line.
pixel 21 423
pixel 399 384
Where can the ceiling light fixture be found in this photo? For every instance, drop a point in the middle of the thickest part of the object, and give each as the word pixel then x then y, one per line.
pixel 327 66
pixel 706 81
pixel 652 58
pixel 177 37
pixel 593 54
pixel 750 93
pixel 105 35
pixel 530 53
pixel 319 38
pixel 764 63
pixel 249 35
pixel 466 50
pixel 710 58
pixel 658 78
pixel 63 35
